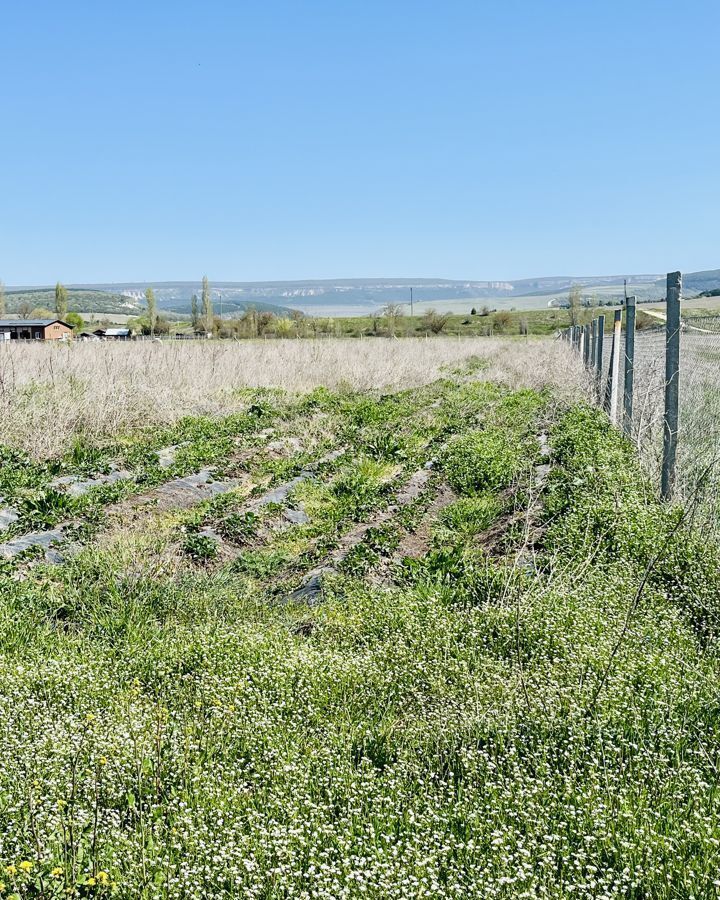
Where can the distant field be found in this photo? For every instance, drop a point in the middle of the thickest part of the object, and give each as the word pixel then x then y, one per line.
pixel 53 395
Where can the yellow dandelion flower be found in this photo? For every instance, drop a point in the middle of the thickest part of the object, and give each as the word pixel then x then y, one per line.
pixel 2 887
pixel 56 872
pixel 103 760
pixel 90 717
pixel 91 882
pixel 26 865
pixel 11 869
pixel 103 877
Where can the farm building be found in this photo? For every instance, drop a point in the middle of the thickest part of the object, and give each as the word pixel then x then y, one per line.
pixel 34 330
pixel 114 334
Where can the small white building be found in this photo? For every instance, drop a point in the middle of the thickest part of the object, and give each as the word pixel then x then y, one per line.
pixel 113 334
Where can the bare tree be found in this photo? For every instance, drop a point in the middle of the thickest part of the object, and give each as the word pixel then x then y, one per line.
pixel 435 321
pixel 392 312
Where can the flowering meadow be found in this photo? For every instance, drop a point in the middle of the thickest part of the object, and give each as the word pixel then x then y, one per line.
pixel 437 643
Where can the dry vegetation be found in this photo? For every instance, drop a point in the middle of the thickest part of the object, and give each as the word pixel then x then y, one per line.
pixel 50 394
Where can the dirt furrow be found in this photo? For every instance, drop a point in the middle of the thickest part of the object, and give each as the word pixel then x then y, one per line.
pixel 311 590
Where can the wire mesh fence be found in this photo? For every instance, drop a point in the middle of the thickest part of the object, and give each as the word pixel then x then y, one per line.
pixel 669 407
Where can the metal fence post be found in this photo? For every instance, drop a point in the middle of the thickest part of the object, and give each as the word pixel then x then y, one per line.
pixel 586 345
pixel 581 341
pixel 593 342
pixel 629 366
pixel 672 384
pixel 614 370
pixel 599 354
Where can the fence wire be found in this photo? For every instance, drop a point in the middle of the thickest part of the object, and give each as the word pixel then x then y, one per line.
pixel 697 474
pixel 699 432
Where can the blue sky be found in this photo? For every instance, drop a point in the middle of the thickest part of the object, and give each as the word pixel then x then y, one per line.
pixel 259 139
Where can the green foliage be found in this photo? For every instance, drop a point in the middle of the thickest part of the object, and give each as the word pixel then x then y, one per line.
pixel 467 517
pixel 61 301
pixel 75 320
pixel 483 460
pixel 47 508
pixel 465 576
pixel 259 565
pixel 359 486
pixel 378 542
pixel 200 547
pixel 206 309
pixel 79 300
pixel 238 527
pixel 151 305
pixel 599 503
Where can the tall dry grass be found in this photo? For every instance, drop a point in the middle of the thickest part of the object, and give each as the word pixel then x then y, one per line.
pixel 52 393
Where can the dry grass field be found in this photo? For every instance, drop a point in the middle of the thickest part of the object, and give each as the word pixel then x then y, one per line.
pixel 52 394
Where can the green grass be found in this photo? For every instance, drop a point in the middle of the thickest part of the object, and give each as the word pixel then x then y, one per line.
pixel 473 727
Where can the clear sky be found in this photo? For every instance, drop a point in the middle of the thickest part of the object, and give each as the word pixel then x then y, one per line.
pixel 259 139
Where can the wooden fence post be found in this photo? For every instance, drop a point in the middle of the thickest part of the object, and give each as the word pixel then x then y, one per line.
pixel 586 345
pixel 672 384
pixel 629 366
pixel 599 354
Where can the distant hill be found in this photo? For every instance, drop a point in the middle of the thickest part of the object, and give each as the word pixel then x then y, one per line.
pixel 360 296
pixel 229 306
pixel 363 296
pixel 695 282
pixel 79 300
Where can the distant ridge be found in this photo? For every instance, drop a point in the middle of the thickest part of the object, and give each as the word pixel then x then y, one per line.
pixel 363 296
